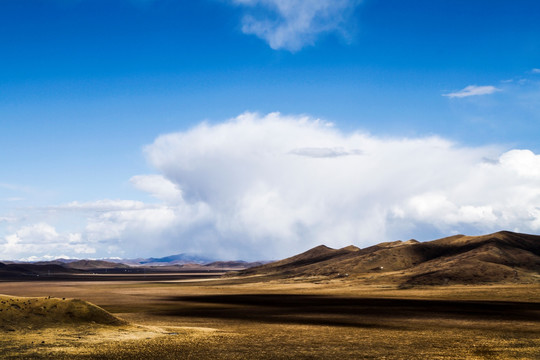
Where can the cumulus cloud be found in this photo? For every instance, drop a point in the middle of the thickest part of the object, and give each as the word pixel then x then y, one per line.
pixel 263 187
pixel 262 201
pixel 157 186
pixel 493 195
pixel 42 241
pixel 473 90
pixel 134 228
pixel 293 24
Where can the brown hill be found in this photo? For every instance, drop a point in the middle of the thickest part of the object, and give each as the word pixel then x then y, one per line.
pixel 94 264
pixel 304 262
pixel 460 259
pixel 232 265
pixel 30 313
pixel 498 257
pixel 24 270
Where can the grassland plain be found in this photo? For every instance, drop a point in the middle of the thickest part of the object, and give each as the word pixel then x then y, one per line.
pixel 283 319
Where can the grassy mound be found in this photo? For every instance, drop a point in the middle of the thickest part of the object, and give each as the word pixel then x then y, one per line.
pixel 29 313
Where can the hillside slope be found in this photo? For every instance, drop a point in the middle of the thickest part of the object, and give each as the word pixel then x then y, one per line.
pixel 31 313
pixel 500 257
pixel 303 262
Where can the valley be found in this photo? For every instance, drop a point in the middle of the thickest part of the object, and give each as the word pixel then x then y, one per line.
pixel 388 301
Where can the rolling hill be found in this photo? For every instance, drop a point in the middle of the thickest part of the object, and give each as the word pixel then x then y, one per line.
pixel 26 270
pixel 29 313
pixel 500 257
pixel 94 264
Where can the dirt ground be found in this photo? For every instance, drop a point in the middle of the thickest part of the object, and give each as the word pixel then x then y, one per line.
pixel 318 319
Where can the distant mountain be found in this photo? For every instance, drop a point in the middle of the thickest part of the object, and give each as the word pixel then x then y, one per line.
pixel 32 270
pixel 178 259
pixel 500 257
pixel 94 264
pixel 72 267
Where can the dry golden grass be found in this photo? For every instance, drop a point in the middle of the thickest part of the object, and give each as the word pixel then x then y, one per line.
pixel 18 313
pixel 323 319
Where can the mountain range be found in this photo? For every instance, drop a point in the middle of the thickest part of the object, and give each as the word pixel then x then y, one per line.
pixel 502 257
pixel 494 258
pixel 181 263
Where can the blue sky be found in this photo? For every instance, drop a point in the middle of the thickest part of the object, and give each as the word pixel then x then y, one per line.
pixel 88 87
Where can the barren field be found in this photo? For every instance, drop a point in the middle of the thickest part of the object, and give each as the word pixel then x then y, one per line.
pixel 246 319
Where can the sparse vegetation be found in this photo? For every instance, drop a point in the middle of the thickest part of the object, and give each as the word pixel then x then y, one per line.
pixel 236 319
pixel 503 257
pixel 31 313
pixel 482 302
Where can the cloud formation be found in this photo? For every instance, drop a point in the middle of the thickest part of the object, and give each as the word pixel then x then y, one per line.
pixel 324 152
pixel 473 90
pixel 293 24
pixel 261 198
pixel 101 205
pixel 158 187
pixel 37 241
pixel 265 187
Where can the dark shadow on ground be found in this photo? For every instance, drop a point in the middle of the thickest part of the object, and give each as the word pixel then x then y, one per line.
pixel 111 276
pixel 343 311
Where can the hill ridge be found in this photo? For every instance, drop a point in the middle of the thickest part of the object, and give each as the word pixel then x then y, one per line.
pixel 502 256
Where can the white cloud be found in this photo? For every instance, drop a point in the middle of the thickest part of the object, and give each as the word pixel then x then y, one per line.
pixel 293 24
pixel 263 187
pixel 41 232
pixel 157 186
pixel 535 71
pixel 137 229
pixel 39 241
pixel 324 152
pixel 14 199
pixel 489 196
pixel 101 205
pixel 473 90
pixel 119 225
pixel 7 219
pixel 263 201
pixel 13 187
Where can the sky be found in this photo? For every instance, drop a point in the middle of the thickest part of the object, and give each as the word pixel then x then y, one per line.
pixel 257 129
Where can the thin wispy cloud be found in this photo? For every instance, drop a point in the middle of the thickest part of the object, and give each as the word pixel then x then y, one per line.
pixel 15 188
pixel 473 90
pixel 100 205
pixel 14 199
pixel 535 71
pixel 324 152
pixel 294 24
